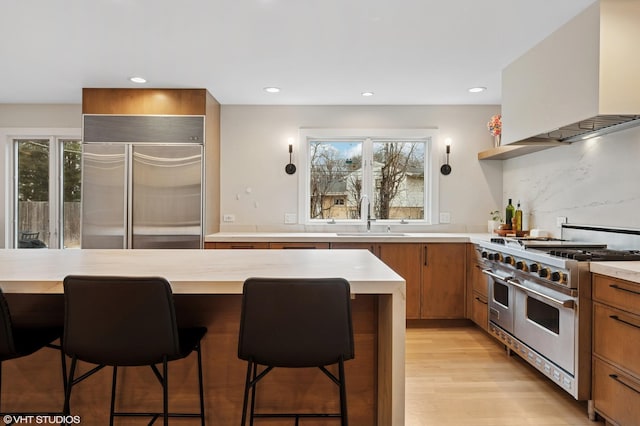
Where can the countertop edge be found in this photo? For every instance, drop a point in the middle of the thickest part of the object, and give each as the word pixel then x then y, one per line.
pixel 321 237
pixel 629 271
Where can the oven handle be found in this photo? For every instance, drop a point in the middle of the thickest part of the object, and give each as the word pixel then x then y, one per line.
pixel 564 303
pixel 496 276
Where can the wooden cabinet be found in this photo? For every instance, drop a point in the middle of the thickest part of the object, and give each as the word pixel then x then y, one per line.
pixel 405 259
pixel 616 349
pixel 443 279
pixel 238 245
pixel 434 273
pixel 477 289
pixel 299 245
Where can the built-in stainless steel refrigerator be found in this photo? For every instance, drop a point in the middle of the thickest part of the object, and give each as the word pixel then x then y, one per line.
pixel 142 182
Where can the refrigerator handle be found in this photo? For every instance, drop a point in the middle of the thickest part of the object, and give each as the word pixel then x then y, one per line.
pixel 128 219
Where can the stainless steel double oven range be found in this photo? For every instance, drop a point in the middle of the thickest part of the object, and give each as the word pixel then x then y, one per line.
pixel 540 300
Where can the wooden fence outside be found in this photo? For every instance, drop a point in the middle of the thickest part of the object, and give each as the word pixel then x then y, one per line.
pixel 33 216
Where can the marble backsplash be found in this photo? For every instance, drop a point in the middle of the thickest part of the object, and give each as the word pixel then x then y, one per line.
pixel 593 182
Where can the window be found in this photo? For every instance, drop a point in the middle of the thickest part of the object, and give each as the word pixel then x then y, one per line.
pixel 386 172
pixel 46 192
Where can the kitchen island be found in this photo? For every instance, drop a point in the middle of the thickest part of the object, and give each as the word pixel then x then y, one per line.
pixel 207 285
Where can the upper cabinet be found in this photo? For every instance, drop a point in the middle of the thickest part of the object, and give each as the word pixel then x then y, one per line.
pixel 579 82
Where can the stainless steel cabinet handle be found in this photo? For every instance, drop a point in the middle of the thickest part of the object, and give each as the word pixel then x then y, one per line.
pixel 481 301
pixel 564 303
pixel 617 379
pixel 617 287
pixel 617 318
pixel 425 255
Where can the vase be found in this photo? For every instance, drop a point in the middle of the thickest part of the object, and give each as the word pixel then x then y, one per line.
pixel 496 141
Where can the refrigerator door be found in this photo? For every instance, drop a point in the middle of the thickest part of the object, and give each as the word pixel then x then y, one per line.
pixel 166 196
pixel 104 176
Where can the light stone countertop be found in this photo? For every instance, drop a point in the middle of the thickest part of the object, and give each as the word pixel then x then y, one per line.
pixel 41 271
pixel 629 271
pixel 194 271
pixel 389 237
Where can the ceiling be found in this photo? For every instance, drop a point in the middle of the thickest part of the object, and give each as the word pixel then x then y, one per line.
pixel 319 52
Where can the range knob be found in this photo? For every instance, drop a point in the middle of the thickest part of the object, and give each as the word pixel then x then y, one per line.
pixel 521 265
pixel 534 267
pixel 544 272
pixel 558 277
pixel 509 259
pixel 484 254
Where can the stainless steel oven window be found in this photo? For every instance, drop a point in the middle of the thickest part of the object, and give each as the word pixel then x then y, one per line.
pixel 501 293
pixel 544 315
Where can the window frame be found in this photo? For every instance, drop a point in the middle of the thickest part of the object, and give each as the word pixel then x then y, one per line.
pixel 368 137
pixel 56 137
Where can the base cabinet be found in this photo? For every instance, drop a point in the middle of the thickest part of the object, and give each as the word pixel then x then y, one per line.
pixel 477 290
pixel 616 350
pixel 435 273
pixel 443 281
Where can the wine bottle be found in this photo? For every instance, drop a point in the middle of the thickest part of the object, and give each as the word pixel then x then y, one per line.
pixel 508 216
pixel 517 219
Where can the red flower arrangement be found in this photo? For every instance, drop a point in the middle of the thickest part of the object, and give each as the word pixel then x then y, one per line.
pixel 495 125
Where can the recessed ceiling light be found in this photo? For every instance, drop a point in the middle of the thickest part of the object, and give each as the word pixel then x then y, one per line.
pixel 367 93
pixel 138 80
pixel 272 89
pixel 477 89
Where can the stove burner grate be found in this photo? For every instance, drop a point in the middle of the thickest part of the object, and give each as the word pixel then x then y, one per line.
pixel 599 255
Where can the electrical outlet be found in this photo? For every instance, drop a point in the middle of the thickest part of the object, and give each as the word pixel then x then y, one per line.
pixel 445 217
pixel 560 220
pixel 290 218
pixel 228 218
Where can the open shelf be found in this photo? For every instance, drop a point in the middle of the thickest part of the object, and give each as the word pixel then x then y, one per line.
pixel 516 150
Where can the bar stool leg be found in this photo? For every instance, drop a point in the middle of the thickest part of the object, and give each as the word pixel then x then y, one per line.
pixel 200 382
pixel 343 394
pixel 112 409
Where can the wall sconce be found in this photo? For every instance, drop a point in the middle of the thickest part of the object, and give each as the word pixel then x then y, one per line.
pixel 290 168
pixel 446 168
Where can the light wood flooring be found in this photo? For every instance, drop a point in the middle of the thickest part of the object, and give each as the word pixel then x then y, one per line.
pixel 461 376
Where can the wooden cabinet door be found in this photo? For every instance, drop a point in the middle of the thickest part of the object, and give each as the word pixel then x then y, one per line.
pixel 295 245
pixel 405 260
pixel 238 245
pixel 477 290
pixel 443 280
pixel 353 245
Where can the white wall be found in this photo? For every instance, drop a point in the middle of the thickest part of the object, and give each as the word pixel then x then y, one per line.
pixel 593 182
pixel 254 186
pixel 16 118
pixel 258 192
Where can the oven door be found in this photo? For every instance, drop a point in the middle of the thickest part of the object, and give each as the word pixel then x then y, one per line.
pixel 546 321
pixel 501 300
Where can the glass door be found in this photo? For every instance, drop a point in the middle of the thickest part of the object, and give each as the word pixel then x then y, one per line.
pixel 46 192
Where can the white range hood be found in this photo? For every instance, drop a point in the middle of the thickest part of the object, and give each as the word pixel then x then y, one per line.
pixel 581 81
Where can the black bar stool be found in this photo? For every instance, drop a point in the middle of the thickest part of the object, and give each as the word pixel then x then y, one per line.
pixel 18 342
pixel 126 321
pixel 295 323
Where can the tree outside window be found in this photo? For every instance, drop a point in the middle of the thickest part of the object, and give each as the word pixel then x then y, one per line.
pixel 394 178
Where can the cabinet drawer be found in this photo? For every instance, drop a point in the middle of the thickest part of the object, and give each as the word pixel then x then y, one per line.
pixel 619 293
pixel 239 245
pixel 616 337
pixel 616 396
pixel 480 310
pixel 480 281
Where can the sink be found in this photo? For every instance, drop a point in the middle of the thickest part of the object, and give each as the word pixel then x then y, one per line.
pixel 371 234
